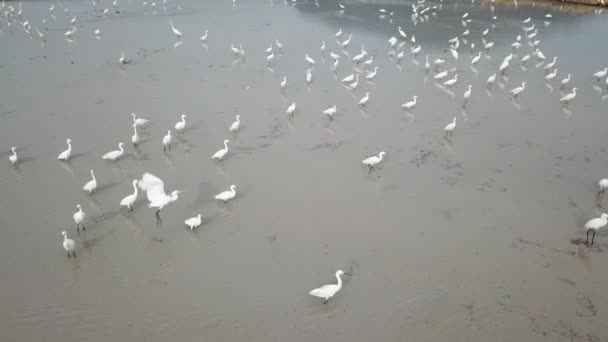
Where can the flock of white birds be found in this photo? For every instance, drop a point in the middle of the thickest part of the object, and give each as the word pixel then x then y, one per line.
pixel 154 188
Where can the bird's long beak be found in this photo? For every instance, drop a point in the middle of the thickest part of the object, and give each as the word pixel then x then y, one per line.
pixel 348 274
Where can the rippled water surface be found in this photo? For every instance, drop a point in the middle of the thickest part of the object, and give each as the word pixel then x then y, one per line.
pixel 473 237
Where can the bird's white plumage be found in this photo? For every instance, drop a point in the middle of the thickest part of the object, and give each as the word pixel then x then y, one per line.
pixel 373 160
pixel 194 222
pixel 114 155
pixel 91 185
pixel 227 195
pixel 410 104
pixel 13 158
pixel 128 201
pixel 180 125
pixel 328 291
pixel 235 125
pixel 68 244
pixel 222 152
pixel 65 155
pixel 155 191
pixel 597 223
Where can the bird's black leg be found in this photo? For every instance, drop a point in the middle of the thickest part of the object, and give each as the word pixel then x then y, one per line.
pixel 84 230
pixel 593 238
pixel 68 254
pixel 325 302
pixel 74 253
pixel 77 228
pixel 588 236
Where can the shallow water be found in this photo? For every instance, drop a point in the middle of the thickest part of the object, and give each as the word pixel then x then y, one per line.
pixel 472 237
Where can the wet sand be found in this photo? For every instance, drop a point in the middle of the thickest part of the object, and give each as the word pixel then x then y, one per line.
pixel 476 237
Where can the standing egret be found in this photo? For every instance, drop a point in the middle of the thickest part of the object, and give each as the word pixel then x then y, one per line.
pixel 600 74
pixel 491 79
pixel 330 112
pixel 416 50
pixel 369 61
pixel 525 58
pixel 427 66
pixel 345 43
pixel 129 200
pixel 194 222
pixel 323 48
pixel 135 138
pixel 180 125
pixel 449 129
pixel 596 224
pixel 552 64
pixel 551 75
pixel 334 56
pixel 204 37
pixel 565 81
pixel 348 78
pixel 270 58
pixel 373 160
pixel 518 90
pixel 291 109
pixel 167 141
pixel 227 195
pixel 13 158
pixel 177 33
pixel 410 104
pixel 284 82
pixel 279 45
pixel 310 61
pixel 328 291
pixel 65 155
pixel 476 58
pixel 219 155
pixel 155 191
pixel 540 54
pixel 235 125
pixel 269 49
pixel 451 82
pixel 354 85
pixel 308 76
pixel 68 244
pixel 339 33
pixel 603 183
pixel 114 155
pixel 467 94
pixel 141 122
pixel 79 218
pixel 91 185
pixel 454 52
pixel 371 75
pixel 364 100
pixel 401 32
pixel 441 75
pixel 569 97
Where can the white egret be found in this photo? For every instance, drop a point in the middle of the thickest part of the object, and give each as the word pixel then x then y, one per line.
pixel 373 160
pixel 364 100
pixel 491 79
pixel 527 20
pixel 565 81
pixel 518 90
pixel 355 84
pixel 348 78
pixel 595 224
pixel 269 49
pixel 180 125
pixel 235 125
pixel 91 185
pixel 416 50
pixel 235 50
pixel 454 52
pixel 122 59
pixel 69 33
pixel 476 58
pixel 488 46
pixel 194 222
pixel 310 61
pixel 449 129
pixel 552 64
pixel 369 61
pixel 135 138
pixel 371 75
pixel 204 37
pixel 540 54
pixel 603 184
pixel 525 58
pixel 392 41
pixel 155 191
pixel 227 195
pixel 600 74
pixel 437 62
pixel 413 39
pixel 569 97
pixel 401 32
pixel 308 76
pixel 141 122
pixel 129 200
pixel 167 141
pixel 339 33
pixel 451 82
pixel 79 218
pixel 284 82
pixel 485 32
pixel 467 94
pixel 65 155
pixel 219 155
pixel 427 66
pixel 291 109
pixel 279 45
pixel 441 75
pixel 323 48
pixel 331 111
pixel 360 56
pixel 551 75
pixel 68 244
pixel 410 104
pixel 270 58
pixel 345 43
pixel 335 65
pixel 177 33
pixel 114 155
pixel 334 56
pixel 13 158
pixel 328 291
